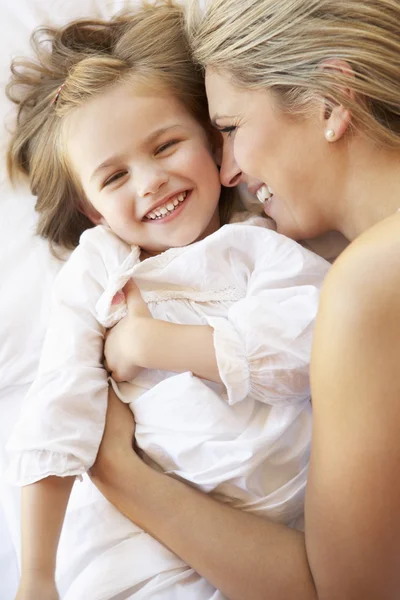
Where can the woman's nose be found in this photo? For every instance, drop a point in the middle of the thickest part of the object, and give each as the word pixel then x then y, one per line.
pixel 230 174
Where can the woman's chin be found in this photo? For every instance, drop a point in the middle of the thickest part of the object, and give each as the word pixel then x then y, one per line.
pixel 290 230
pixel 286 223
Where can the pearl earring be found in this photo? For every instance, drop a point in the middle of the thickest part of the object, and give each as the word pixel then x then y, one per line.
pixel 330 135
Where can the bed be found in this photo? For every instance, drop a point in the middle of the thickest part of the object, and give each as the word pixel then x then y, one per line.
pixel 27 267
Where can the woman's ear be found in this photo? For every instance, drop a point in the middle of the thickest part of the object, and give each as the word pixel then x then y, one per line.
pixel 335 117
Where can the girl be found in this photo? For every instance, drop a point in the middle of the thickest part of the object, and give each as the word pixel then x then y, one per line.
pixel 307 94
pixel 112 132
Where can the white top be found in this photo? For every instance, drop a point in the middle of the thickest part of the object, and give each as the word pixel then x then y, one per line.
pixel 246 441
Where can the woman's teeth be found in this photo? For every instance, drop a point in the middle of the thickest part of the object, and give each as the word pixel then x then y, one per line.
pixel 167 208
pixel 264 193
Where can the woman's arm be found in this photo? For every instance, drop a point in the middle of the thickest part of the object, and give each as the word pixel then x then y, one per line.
pixel 353 497
pixel 42 514
pixel 352 517
pixel 242 555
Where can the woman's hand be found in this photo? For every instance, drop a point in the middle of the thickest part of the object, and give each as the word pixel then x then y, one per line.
pixel 123 341
pixel 116 444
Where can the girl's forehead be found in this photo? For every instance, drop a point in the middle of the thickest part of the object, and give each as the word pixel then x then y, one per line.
pixel 143 106
pixel 119 123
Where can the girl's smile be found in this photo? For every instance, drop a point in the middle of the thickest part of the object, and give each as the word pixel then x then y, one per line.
pixel 143 160
pixel 171 207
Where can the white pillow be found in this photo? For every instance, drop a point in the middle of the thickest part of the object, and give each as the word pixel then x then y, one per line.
pixel 27 268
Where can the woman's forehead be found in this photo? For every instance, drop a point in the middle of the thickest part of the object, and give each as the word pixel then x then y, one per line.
pixel 223 96
pixel 228 100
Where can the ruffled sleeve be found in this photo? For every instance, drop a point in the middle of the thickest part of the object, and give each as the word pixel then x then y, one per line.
pixel 63 416
pixel 263 346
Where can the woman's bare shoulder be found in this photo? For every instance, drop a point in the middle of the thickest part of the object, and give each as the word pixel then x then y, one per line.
pixel 353 525
pixel 368 271
pixel 359 310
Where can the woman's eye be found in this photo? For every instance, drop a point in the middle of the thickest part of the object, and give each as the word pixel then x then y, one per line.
pixel 229 129
pixel 114 178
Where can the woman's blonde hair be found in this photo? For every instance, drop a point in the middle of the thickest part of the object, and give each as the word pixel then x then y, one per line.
pixel 282 45
pixel 86 57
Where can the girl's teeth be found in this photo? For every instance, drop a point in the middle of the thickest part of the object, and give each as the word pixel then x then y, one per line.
pixel 264 193
pixel 161 211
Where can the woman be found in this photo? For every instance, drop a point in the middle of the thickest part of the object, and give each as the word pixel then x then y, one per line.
pixel 307 96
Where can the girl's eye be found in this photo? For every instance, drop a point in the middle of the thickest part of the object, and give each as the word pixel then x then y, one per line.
pixel 166 146
pixel 114 178
pixel 229 129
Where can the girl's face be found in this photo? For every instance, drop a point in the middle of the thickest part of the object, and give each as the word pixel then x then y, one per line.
pixel 265 146
pixel 146 167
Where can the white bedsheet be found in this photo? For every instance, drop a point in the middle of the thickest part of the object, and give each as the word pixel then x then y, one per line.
pixel 27 268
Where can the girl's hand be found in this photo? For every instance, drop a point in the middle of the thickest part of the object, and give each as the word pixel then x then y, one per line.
pixel 122 341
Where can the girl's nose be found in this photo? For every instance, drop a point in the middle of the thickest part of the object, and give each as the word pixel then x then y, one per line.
pixel 148 180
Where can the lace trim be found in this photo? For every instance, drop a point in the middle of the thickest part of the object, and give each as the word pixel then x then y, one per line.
pixel 227 294
pixel 163 259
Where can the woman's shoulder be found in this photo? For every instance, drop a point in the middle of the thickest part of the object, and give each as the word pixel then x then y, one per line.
pixel 369 267
pixel 353 494
pixel 359 307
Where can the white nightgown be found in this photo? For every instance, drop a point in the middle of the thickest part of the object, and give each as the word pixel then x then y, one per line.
pixel 247 441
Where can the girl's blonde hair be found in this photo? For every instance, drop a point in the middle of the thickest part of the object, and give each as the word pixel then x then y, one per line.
pixel 282 45
pixel 87 57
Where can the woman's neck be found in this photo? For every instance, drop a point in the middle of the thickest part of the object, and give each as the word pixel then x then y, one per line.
pixel 373 191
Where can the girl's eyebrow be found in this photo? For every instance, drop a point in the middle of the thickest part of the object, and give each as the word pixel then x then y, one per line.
pixel 104 165
pixel 118 157
pixel 155 134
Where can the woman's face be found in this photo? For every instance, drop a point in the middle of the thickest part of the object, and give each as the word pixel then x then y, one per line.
pixel 263 145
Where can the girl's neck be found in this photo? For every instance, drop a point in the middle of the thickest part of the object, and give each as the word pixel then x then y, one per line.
pixel 144 254
pixel 373 191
